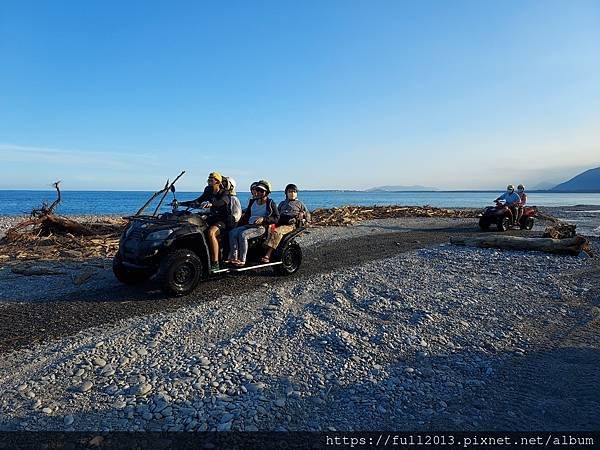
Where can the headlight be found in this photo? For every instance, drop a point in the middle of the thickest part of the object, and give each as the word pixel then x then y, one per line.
pixel 159 235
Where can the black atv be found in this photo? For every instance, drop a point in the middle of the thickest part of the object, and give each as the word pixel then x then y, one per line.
pixel 171 247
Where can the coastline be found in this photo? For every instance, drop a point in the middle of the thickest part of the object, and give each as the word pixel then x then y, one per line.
pixel 587 217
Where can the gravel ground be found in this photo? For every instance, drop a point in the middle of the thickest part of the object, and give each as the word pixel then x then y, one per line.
pixel 393 337
pixel 88 279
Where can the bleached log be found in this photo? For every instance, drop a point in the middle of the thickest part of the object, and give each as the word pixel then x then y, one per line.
pixel 570 246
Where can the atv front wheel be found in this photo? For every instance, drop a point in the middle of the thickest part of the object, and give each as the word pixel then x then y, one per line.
pixel 291 258
pixel 180 272
pixel 484 224
pixel 127 275
pixel 503 224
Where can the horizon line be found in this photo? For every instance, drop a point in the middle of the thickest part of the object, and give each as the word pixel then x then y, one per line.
pixel 551 191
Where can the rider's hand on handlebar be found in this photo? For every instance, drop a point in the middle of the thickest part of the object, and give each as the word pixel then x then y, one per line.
pixel 205 205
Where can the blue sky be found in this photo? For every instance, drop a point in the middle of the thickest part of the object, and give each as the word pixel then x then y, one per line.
pixel 326 94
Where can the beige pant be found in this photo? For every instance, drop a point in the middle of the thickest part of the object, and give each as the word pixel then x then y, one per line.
pixel 276 236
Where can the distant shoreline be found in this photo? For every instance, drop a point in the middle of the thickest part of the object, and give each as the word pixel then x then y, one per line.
pixel 437 191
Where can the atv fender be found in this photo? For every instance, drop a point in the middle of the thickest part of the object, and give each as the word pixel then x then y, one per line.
pixel 197 243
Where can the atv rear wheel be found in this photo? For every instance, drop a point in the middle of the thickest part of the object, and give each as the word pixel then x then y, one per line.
pixel 291 258
pixel 484 224
pixel 180 272
pixel 503 224
pixel 127 275
pixel 529 221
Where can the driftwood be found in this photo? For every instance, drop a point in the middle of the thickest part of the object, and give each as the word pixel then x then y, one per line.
pixel 43 222
pixel 560 230
pixel 570 246
pixel 347 215
pixel 44 235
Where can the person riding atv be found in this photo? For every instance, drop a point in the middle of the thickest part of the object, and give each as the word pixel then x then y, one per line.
pixel 217 198
pixel 511 199
pixel 172 248
pixel 508 212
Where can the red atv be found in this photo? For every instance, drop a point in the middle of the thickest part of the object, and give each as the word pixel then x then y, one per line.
pixel 502 216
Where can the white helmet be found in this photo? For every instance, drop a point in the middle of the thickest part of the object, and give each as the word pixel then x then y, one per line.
pixel 231 182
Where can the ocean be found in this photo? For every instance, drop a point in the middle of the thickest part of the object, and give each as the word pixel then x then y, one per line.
pixel 18 202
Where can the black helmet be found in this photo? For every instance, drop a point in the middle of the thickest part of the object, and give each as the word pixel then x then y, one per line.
pixel 291 187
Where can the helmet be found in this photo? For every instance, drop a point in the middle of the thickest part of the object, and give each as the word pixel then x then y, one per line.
pixel 253 185
pixel 521 187
pixel 216 175
pixel 264 185
pixel 292 187
pixel 510 187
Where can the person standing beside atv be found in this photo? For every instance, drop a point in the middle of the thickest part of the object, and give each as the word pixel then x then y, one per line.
pixel 512 200
pixel 217 199
pixel 291 211
pixel 260 213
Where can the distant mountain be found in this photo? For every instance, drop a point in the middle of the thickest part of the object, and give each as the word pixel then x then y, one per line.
pixel 401 189
pixel 544 186
pixel 588 181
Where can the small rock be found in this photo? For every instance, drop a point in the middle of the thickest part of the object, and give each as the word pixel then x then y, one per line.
pixel 204 361
pixel 99 362
pixel 85 386
pixel 141 389
pixel 224 426
pixel 68 420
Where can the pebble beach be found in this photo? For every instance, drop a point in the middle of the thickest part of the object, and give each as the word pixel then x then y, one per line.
pixel 440 337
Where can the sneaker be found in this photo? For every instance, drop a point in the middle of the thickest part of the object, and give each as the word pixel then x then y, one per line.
pixel 214 267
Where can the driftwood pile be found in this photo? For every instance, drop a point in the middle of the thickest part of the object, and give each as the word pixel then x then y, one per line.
pixel 102 242
pixel 45 235
pixel 348 215
pixel 560 230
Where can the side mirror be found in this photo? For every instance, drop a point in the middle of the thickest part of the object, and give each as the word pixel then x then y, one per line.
pixel 173 188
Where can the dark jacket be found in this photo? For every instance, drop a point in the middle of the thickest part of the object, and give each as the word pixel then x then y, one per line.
pixel 219 210
pixel 207 196
pixel 291 209
pixel 272 217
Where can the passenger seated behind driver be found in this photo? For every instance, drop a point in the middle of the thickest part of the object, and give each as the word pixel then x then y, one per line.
pixel 512 200
pixel 523 200
pixel 235 206
pixel 291 211
pixel 260 213
pixel 217 199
